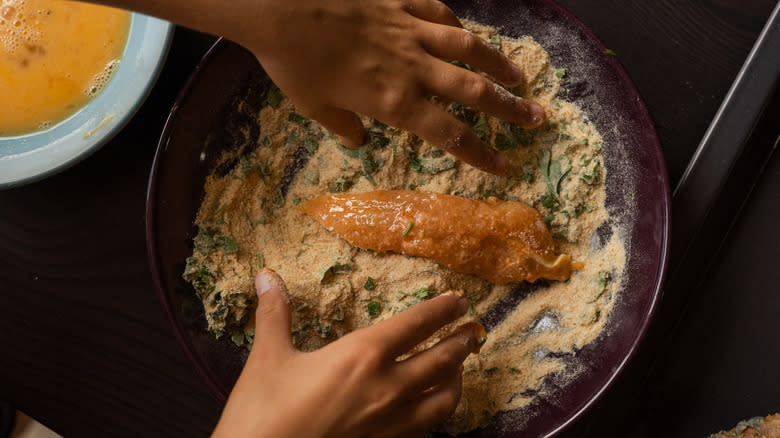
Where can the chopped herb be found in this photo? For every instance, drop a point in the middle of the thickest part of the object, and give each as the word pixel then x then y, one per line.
pixel 553 173
pixel 301 307
pixel 296 200
pixel 556 103
pixel 299 120
pixel 374 309
pixel 342 184
pixel 560 73
pixel 238 338
pixel 610 52
pixel 325 331
pixel 495 41
pixel 491 371
pixel 336 268
pixel 339 316
pixel 421 293
pixel 260 261
pixel 513 370
pixel 266 141
pixel 633 194
pixel 311 145
pixel 431 167
pixel 592 176
pixel 264 171
pixel 273 97
pixel 201 278
pixel 228 244
pixel 601 281
pixel 548 201
pixel 436 153
pixel 408 229
pixel 584 141
pixel 480 128
pixel 369 284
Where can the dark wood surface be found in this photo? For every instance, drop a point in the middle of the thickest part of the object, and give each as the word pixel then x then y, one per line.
pixel 86 348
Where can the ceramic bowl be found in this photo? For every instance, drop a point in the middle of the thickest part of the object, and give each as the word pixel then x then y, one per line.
pixel 30 157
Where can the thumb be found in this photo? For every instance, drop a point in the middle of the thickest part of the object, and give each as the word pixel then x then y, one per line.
pixel 272 317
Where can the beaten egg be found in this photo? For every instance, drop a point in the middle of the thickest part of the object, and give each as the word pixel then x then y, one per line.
pixel 55 56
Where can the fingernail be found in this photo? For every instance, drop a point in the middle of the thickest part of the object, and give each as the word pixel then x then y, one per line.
pixel 463 302
pixel 266 280
pixel 536 115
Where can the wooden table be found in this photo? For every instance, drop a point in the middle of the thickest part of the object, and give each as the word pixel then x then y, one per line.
pixel 86 348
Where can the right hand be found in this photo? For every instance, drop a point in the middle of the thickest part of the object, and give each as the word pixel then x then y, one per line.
pixel 354 387
pixel 385 59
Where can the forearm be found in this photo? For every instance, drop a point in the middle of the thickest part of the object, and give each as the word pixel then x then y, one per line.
pixel 232 19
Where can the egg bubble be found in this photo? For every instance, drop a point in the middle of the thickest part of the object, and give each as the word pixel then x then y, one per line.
pixel 100 80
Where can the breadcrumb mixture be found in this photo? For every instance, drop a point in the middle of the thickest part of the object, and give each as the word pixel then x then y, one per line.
pixel 249 219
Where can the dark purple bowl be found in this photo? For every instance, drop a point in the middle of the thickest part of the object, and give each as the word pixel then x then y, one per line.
pixel 204 117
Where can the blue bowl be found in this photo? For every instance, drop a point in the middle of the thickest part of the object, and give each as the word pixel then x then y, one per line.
pixel 31 157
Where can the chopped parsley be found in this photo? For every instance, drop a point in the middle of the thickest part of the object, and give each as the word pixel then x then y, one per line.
pixel 264 170
pixel 342 184
pixel 260 261
pixel 431 167
pixel 369 284
pixel 495 41
pixel 591 176
pixel 553 173
pixel 200 276
pixel 610 52
pixel 560 73
pixel 601 281
pixel 374 309
pixel 228 244
pixel 299 120
pixel 480 127
pixel 421 293
pixel 336 268
pixel 408 229
pixel 273 96
pixel 339 316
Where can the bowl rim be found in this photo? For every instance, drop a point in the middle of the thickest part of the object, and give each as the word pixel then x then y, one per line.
pixel 151 220
pixel 103 134
pixel 652 143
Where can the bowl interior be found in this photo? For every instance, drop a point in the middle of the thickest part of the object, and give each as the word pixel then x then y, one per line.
pixel 637 198
pixel 29 157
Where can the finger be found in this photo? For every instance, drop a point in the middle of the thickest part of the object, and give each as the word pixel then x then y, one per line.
pixel 441 128
pixel 475 91
pixel 432 407
pixel 461 45
pixel 272 317
pixel 428 368
pixel 403 331
pixel 432 10
pixel 345 124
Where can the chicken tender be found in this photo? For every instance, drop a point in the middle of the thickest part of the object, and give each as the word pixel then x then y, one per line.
pixel 500 241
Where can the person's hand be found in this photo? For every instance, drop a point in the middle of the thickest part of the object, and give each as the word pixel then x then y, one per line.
pixel 353 387
pixel 385 59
